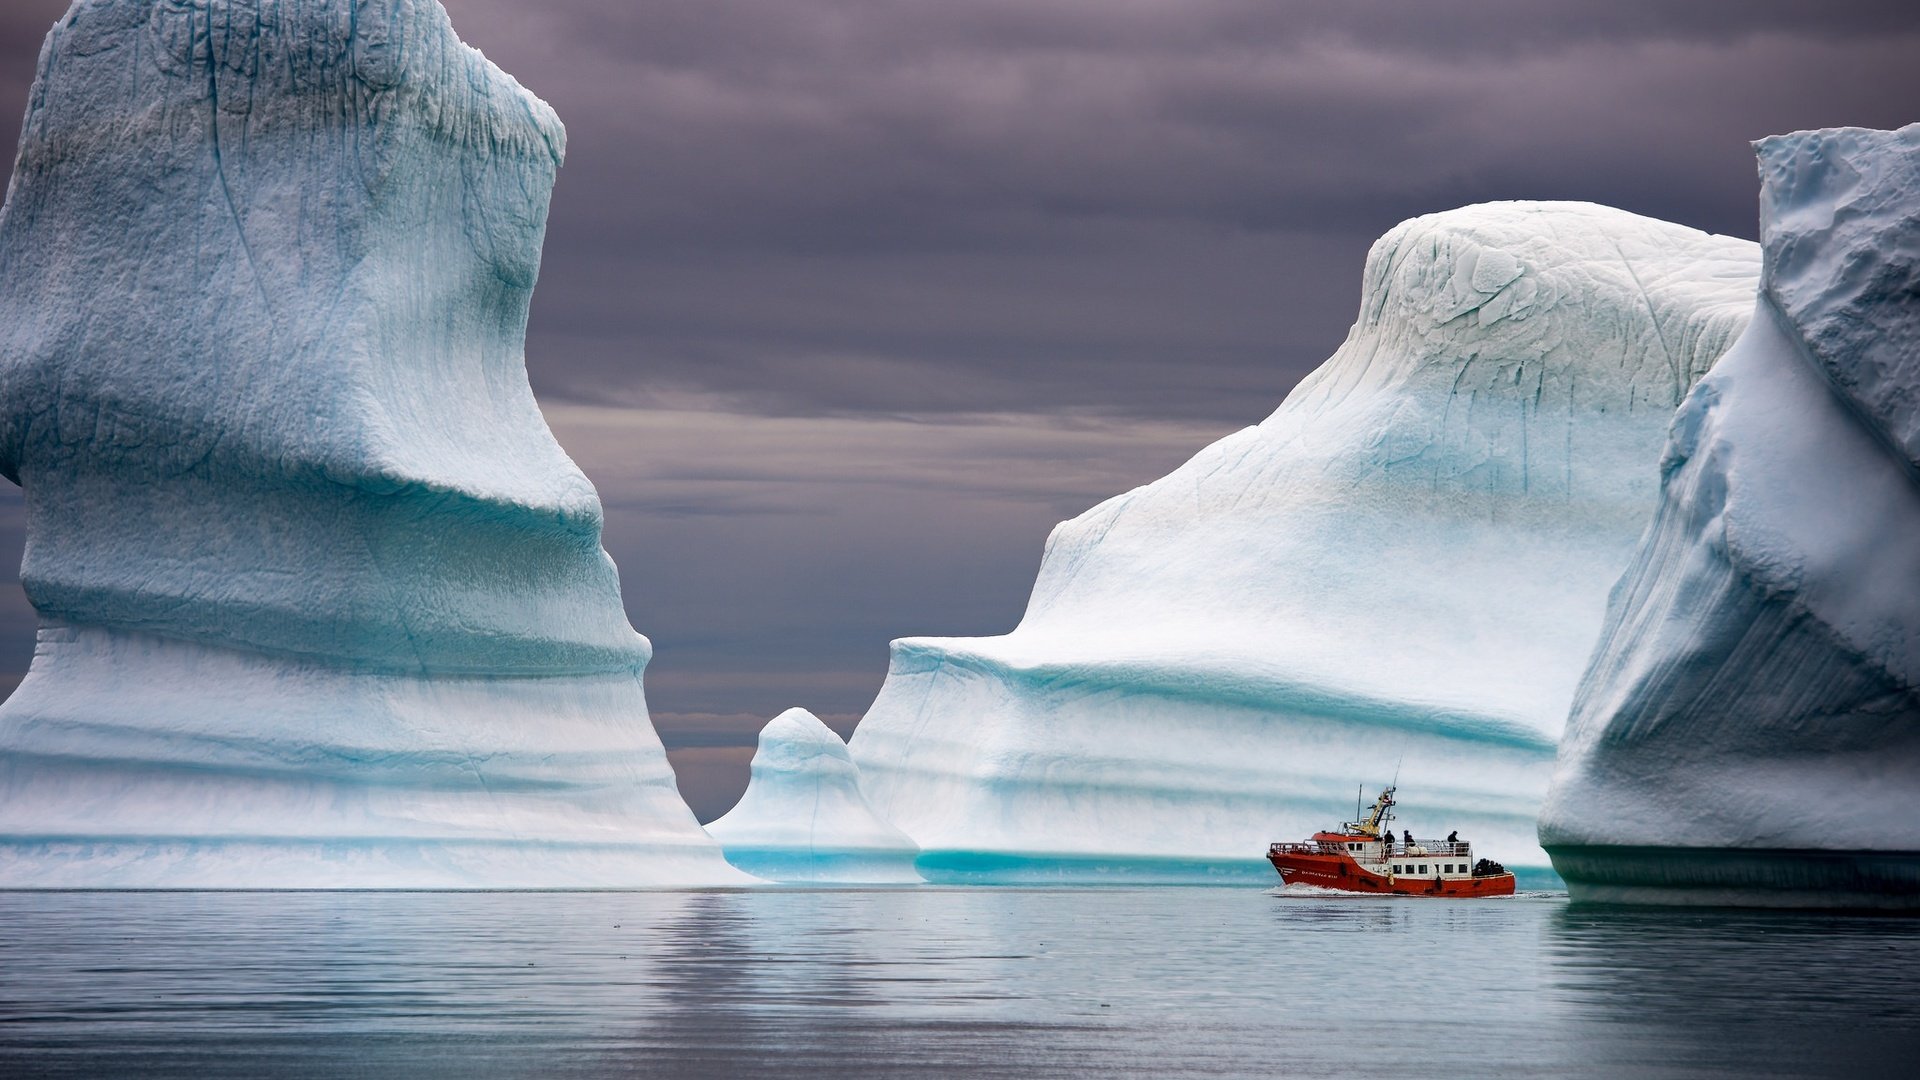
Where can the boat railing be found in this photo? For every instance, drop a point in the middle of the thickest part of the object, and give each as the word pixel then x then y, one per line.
pixel 1421 847
pixel 1418 849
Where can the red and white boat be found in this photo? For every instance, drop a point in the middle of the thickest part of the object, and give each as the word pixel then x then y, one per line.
pixel 1363 857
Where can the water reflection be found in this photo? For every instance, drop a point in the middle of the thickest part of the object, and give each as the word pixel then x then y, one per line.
pixel 1767 993
pixel 979 982
pixel 834 984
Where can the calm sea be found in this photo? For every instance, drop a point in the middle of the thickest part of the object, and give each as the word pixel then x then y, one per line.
pixel 977 982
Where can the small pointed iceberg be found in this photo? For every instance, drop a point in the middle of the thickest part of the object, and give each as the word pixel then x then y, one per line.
pixel 803 817
pixel 322 602
pixel 1748 731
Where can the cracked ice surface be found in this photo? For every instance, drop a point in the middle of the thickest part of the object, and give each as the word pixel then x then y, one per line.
pixel 1404 566
pixel 1749 729
pixel 322 600
pixel 803 817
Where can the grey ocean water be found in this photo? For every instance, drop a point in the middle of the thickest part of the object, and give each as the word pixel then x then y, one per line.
pixel 971 982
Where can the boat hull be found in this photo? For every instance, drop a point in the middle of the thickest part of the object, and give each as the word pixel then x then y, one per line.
pixel 1339 872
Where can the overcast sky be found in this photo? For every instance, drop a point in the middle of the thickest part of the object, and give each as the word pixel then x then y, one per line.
pixel 846 302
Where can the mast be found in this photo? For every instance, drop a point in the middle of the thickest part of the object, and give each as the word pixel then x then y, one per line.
pixel 1377 817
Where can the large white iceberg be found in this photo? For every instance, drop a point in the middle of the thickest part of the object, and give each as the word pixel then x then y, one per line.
pixel 322 602
pixel 1749 730
pixel 803 817
pixel 1402 568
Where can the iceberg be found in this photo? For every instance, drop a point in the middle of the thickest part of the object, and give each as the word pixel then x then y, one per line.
pixel 322 602
pixel 1748 731
pixel 1401 569
pixel 804 818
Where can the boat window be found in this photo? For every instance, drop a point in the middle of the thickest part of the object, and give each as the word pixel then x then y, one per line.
pixel 1423 868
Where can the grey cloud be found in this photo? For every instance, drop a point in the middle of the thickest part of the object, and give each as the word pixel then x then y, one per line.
pixel 1168 325
pixel 804 467
pixel 822 126
pixel 1138 208
pixel 741 33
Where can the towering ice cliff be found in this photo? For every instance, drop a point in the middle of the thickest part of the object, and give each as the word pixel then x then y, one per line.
pixel 1749 729
pixel 1403 567
pixel 322 602
pixel 803 817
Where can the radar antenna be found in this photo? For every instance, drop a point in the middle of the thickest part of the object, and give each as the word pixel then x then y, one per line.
pixel 1378 817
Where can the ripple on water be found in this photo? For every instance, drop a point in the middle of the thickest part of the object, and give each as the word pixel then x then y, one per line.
pixel 981 982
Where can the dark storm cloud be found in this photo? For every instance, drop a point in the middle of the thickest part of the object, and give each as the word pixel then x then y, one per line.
pixel 845 302
pixel 1127 207
pixel 829 127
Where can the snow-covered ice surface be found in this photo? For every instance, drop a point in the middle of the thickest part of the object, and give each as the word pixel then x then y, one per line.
pixel 322 601
pixel 1403 567
pixel 803 817
pixel 1749 730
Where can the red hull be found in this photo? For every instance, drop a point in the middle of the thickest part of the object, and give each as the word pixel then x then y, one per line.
pixel 1334 871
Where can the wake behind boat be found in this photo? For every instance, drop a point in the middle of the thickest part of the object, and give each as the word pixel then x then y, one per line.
pixel 1363 857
